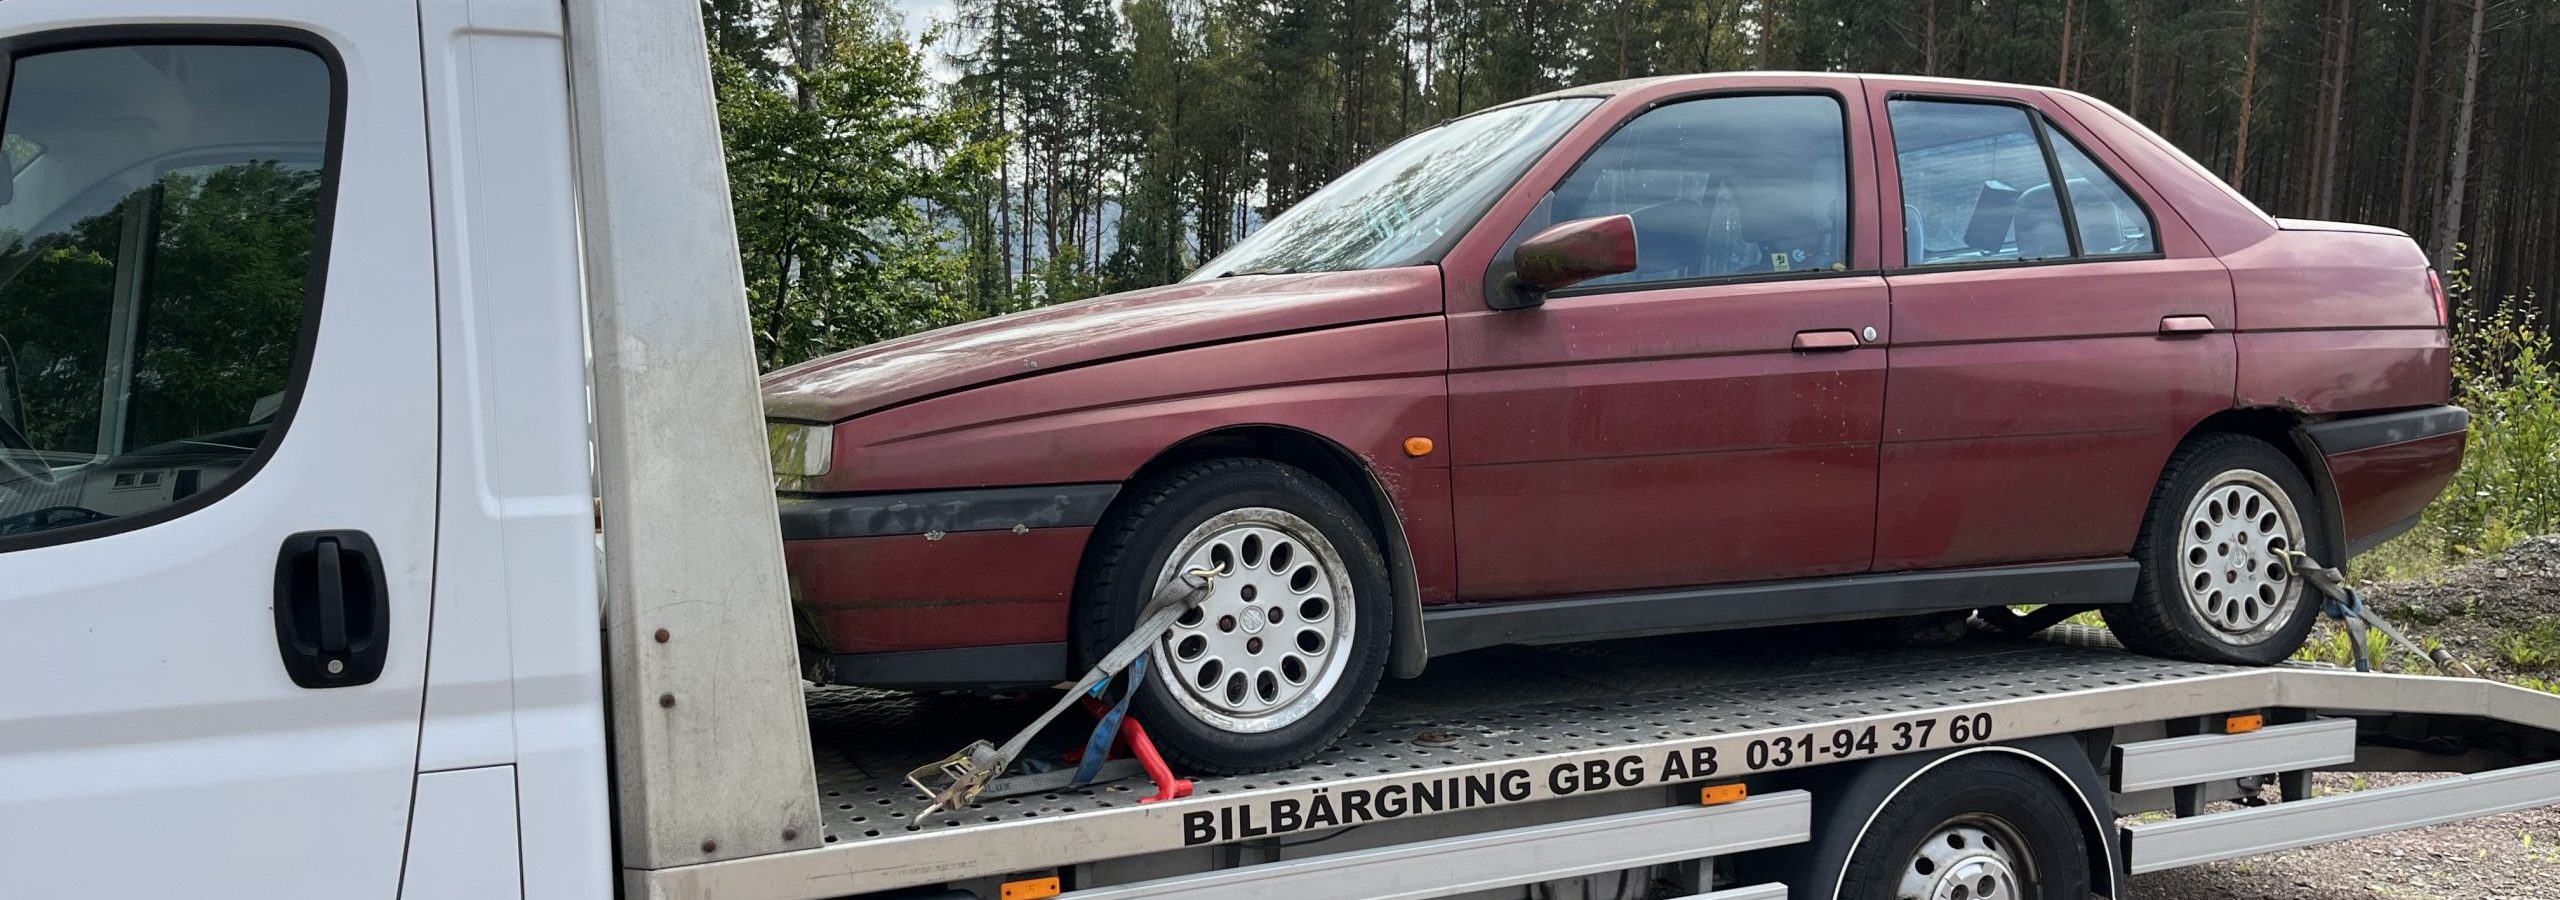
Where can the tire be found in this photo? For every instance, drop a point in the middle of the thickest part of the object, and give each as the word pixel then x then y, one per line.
pixel 2212 588
pixel 1245 684
pixel 1975 821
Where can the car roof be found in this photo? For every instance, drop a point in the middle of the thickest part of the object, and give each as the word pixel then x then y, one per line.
pixel 1710 79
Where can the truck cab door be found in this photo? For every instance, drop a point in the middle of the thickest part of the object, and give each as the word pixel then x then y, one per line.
pixel 218 452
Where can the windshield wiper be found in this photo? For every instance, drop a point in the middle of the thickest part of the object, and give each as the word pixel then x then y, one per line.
pixel 1274 270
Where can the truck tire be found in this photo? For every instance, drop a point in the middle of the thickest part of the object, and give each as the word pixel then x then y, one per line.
pixel 1980 826
pixel 2214 587
pixel 1288 648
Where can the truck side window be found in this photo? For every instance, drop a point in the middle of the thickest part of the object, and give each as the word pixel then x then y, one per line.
pixel 2111 223
pixel 158 242
pixel 1975 184
pixel 1724 186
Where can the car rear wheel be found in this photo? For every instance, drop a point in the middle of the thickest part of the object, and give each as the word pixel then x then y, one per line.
pixel 1292 639
pixel 2215 586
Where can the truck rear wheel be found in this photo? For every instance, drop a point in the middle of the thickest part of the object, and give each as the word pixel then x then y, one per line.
pixel 2214 586
pixel 1291 642
pixel 1984 826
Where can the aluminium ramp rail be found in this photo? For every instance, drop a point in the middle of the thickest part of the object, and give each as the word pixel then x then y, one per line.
pixel 1517 725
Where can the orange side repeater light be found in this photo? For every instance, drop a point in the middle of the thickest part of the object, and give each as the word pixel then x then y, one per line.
pixel 1417 446
pixel 1721 794
pixel 1031 889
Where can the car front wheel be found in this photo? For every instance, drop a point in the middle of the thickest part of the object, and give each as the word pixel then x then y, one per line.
pixel 1283 654
pixel 2215 584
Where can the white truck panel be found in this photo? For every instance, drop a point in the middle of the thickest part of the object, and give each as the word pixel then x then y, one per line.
pixel 517 674
pixel 143 668
pixel 462 842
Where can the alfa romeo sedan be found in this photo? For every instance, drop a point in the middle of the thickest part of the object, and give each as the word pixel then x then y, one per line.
pixel 1677 354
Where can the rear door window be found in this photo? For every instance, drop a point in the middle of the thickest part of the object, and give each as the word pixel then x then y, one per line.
pixel 2111 222
pixel 1987 182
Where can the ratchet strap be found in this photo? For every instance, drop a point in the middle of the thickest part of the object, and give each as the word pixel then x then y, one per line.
pixel 2348 607
pixel 957 780
pixel 1098 747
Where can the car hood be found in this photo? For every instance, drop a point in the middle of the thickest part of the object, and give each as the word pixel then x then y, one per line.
pixel 863 380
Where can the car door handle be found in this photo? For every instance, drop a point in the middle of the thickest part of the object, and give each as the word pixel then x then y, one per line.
pixel 332 609
pixel 2171 326
pixel 1828 340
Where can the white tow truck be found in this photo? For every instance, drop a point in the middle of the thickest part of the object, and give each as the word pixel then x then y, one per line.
pixel 386 515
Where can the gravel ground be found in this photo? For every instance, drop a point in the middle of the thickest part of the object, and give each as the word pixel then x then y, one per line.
pixel 2501 613
pixel 2498 614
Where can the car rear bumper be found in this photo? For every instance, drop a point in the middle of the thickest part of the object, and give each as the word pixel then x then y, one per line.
pixel 962 588
pixel 2386 468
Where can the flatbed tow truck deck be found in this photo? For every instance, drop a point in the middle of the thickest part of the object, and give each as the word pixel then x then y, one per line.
pixel 1555 740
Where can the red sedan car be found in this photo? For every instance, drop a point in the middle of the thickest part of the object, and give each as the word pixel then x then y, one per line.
pixel 1674 354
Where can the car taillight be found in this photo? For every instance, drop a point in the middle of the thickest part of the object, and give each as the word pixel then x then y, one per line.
pixel 2444 310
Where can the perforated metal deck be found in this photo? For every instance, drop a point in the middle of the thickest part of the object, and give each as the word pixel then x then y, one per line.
pixel 1493 705
pixel 1514 727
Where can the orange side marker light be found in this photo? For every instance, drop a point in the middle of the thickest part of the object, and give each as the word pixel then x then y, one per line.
pixel 2243 724
pixel 1417 446
pixel 1721 794
pixel 1031 889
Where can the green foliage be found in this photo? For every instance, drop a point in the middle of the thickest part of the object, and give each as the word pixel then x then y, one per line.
pixel 2533 649
pixel 836 158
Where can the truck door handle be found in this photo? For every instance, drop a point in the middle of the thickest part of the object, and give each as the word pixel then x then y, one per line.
pixel 2178 326
pixel 333 611
pixel 1828 340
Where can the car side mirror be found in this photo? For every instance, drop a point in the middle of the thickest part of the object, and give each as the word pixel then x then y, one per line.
pixel 1567 254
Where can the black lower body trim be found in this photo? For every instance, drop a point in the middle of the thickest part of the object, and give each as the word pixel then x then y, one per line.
pixel 973 668
pixel 806 517
pixel 2362 432
pixel 1452 629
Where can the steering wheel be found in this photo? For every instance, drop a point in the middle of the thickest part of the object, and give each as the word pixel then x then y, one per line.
pixel 49 518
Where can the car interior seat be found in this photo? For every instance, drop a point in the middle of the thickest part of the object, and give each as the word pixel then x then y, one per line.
pixel 2101 224
pixel 2039 221
pixel 1915 243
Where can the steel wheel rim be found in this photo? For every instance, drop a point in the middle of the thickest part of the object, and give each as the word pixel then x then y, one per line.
pixel 1967 858
pixel 2231 557
pixel 1273 638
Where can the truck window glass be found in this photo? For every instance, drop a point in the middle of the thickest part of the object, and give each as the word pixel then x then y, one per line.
pixel 156 253
pixel 1975 185
pixel 1719 187
pixel 2111 223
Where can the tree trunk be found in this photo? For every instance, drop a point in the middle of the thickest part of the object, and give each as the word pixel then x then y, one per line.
pixel 2169 99
pixel 2451 227
pixel 2133 86
pixel 2248 100
pixel 2062 72
pixel 1929 41
pixel 2333 119
pixel 2417 111
pixel 1768 29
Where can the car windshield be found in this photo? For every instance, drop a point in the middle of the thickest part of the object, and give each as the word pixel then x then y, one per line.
pixel 1397 205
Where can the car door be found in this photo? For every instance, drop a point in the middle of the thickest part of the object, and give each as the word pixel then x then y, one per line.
pixel 1713 415
pixel 217 471
pixel 2054 337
